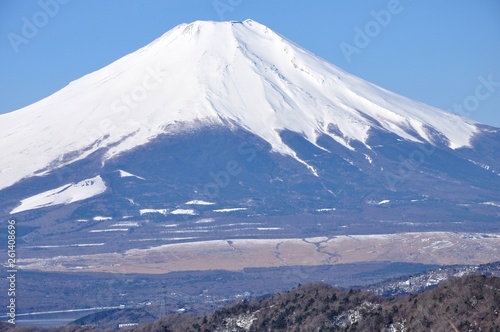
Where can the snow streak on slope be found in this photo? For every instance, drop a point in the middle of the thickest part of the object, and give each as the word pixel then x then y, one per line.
pixel 199 202
pixel 124 174
pixel 66 194
pixel 206 73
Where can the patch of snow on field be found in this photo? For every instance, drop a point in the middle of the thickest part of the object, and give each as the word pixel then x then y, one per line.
pixel 230 210
pixel 269 228
pixel 198 202
pixel 69 193
pixel 204 220
pixel 67 245
pixel 316 239
pixel 497 204
pixel 125 224
pixel 325 209
pixel 124 174
pixel 101 218
pixel 184 211
pixel 146 211
pixel 164 239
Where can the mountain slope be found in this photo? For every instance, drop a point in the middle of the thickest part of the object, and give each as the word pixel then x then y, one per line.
pixel 284 144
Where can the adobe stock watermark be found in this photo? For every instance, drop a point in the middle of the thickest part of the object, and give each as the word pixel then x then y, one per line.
pixel 371 30
pixel 223 6
pixel 299 274
pixel 483 91
pixel 127 102
pixel 11 270
pixel 30 26
pixel 233 168
pixel 409 164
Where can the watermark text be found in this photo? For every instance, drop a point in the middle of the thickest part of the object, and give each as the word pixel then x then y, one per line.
pixel 11 270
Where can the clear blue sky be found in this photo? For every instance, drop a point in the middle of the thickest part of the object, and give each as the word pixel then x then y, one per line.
pixel 438 52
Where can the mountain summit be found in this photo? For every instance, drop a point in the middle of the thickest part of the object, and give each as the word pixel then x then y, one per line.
pixel 220 123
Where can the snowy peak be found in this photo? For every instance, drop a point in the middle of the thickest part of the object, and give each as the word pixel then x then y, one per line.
pixel 213 73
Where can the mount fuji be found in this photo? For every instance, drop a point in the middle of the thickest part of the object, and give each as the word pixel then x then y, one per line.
pixel 226 129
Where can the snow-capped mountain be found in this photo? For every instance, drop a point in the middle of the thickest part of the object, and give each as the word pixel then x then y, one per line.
pixel 235 115
pixel 230 73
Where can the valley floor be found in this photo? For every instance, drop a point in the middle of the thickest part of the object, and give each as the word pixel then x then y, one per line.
pixel 238 254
